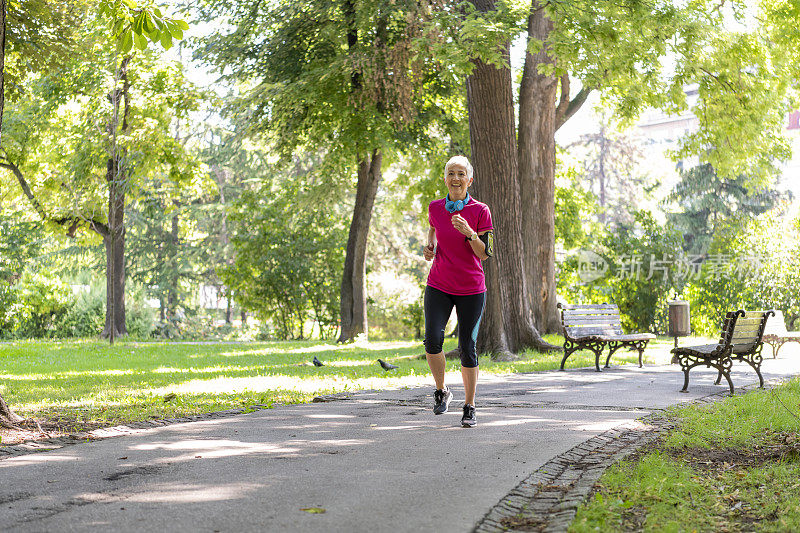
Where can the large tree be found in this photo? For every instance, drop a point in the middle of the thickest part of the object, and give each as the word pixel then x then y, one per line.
pixel 337 78
pixel 22 53
pixel 611 170
pixel 703 203
pixel 113 139
pixel 617 48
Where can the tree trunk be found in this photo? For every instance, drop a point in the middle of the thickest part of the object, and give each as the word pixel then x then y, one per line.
pixel 353 307
pixel 220 176
pixel 115 260
pixel 114 240
pixel 8 418
pixel 537 169
pixel 2 65
pixel 601 174
pixel 172 257
pixel 507 326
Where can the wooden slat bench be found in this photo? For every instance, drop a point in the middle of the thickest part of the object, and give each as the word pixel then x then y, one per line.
pixel 594 327
pixel 741 340
pixel 776 334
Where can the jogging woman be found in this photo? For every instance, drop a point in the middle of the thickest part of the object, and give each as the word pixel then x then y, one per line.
pixel 459 238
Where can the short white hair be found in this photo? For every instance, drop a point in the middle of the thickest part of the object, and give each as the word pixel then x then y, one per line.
pixel 459 160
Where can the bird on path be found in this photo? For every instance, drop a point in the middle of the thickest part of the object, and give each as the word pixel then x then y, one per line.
pixel 385 365
pixel 317 362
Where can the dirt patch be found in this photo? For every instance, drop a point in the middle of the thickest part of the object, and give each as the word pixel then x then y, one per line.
pixel 524 523
pixel 41 429
pixel 784 447
pixel 633 518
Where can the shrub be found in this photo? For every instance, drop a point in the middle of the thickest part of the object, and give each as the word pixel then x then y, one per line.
pixel 41 302
pixel 140 319
pixel 752 266
pixel 86 316
pixel 634 279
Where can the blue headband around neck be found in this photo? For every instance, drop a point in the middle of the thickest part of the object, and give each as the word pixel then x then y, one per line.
pixel 458 205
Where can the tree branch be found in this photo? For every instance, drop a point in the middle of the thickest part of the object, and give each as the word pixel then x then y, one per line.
pixel 563 100
pixel 73 221
pixel 26 188
pixel 572 107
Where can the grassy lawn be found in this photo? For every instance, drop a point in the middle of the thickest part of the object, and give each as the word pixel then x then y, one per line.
pixel 90 382
pixel 729 466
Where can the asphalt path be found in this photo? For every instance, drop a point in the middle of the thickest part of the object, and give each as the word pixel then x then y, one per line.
pixel 373 461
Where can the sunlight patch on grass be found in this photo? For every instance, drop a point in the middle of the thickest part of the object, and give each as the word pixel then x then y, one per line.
pixel 57 375
pixel 308 385
pixel 272 350
pixel 206 370
pixel 388 345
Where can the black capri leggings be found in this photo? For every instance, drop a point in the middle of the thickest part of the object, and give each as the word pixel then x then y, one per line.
pixel 469 310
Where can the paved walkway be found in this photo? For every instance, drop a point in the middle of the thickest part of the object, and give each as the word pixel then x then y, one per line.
pixel 375 461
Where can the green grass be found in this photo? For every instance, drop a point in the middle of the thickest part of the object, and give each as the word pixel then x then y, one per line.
pixel 730 466
pixel 738 421
pixel 90 381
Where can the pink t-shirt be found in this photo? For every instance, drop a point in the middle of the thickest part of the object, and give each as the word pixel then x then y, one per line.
pixel 456 269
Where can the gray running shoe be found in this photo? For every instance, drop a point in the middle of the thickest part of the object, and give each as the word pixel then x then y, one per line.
pixel 468 420
pixel 441 400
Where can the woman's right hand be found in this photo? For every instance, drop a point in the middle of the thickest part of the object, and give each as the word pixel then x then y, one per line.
pixel 428 252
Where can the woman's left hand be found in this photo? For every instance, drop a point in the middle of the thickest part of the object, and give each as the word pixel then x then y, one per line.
pixel 461 225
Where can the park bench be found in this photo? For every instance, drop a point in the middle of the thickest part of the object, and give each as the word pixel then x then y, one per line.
pixel 594 327
pixel 741 340
pixel 776 335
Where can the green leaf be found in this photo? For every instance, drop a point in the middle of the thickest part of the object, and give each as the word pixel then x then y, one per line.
pixel 138 24
pixel 182 24
pixel 149 27
pixel 313 510
pixel 117 29
pixel 166 40
pixel 140 41
pixel 126 42
pixel 157 12
pixel 155 36
pixel 176 33
pixel 535 46
pixel 130 3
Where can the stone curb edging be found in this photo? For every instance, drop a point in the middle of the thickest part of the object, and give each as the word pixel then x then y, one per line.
pixel 548 499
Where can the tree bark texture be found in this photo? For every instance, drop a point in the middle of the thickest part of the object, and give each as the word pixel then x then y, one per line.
pixel 174 242
pixel 114 241
pixel 8 417
pixel 537 167
pixel 507 326
pixel 117 180
pixel 2 64
pixel 220 176
pixel 353 306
